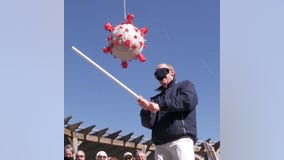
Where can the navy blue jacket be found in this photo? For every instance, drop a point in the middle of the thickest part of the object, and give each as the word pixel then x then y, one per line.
pixel 177 115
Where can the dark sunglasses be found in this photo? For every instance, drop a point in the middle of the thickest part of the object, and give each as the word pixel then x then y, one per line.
pixel 161 73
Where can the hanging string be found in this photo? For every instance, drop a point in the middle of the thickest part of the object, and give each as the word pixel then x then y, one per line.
pixel 124 9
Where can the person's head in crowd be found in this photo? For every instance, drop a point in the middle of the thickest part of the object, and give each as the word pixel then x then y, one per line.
pixel 68 152
pixel 127 156
pixel 80 155
pixel 101 155
pixel 112 158
pixel 140 155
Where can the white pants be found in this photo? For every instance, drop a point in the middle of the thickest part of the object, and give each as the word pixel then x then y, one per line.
pixel 181 149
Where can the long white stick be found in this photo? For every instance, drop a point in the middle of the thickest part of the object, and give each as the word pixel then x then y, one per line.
pixel 105 72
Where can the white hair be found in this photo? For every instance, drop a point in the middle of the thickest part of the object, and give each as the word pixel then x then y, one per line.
pixel 101 153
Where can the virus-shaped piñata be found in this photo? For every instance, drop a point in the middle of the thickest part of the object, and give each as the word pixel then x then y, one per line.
pixel 126 41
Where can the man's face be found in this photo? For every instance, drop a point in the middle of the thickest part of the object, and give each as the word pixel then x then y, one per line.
pixel 80 156
pixel 140 157
pixel 68 153
pixel 102 157
pixel 164 75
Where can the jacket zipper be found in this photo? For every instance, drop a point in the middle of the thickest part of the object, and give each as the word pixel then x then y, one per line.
pixel 183 126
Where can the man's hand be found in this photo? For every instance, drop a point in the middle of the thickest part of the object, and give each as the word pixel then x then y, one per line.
pixel 146 105
pixel 153 107
pixel 143 102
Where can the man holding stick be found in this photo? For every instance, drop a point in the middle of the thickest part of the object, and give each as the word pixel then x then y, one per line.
pixel 171 115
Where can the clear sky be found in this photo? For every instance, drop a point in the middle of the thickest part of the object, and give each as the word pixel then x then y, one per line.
pixel 182 33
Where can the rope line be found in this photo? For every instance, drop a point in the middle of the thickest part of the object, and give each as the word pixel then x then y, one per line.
pixel 124 9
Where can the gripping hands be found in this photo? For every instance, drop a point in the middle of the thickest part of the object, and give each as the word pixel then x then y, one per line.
pixel 149 106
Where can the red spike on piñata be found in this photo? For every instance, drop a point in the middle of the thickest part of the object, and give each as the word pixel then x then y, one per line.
pixel 126 41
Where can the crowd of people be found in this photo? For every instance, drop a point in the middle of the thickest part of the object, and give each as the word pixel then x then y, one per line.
pixel 71 154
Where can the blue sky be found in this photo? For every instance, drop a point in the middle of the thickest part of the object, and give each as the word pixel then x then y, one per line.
pixel 184 34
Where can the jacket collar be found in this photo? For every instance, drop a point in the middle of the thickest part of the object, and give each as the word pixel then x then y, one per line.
pixel 163 89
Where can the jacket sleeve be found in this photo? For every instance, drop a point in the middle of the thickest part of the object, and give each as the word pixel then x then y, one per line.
pixel 184 98
pixel 147 118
